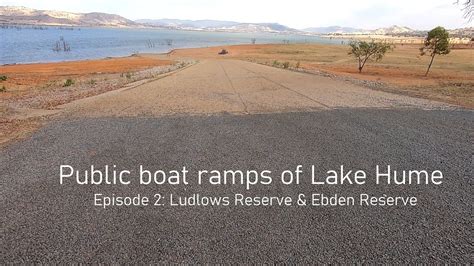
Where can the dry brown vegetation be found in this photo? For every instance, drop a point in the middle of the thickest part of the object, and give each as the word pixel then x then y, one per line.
pixel 32 90
pixel 42 86
pixel 25 77
pixel 51 84
pixel 451 79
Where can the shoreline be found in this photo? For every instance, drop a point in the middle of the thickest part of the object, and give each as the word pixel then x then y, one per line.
pixel 45 85
pixel 80 60
pixel 35 90
pixel 217 38
pixel 102 58
pixel 332 59
pixel 171 51
pixel 25 79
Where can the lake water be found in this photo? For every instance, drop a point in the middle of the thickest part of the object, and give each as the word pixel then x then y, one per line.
pixel 28 45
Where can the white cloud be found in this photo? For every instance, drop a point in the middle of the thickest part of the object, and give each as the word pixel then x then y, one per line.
pixel 421 14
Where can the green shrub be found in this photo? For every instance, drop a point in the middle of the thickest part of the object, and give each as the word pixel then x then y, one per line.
pixel 364 51
pixel 69 82
pixel 3 78
pixel 3 89
pixel 276 63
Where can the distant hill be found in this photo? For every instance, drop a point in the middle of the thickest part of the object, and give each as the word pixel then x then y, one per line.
pixel 332 29
pixel 176 23
pixel 23 15
pixel 217 25
pixel 463 32
pixel 393 30
pixel 258 27
pixel 29 16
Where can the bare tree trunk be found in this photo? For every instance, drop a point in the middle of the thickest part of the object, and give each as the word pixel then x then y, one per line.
pixel 429 66
pixel 361 66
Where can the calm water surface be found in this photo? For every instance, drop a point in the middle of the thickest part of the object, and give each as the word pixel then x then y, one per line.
pixel 27 45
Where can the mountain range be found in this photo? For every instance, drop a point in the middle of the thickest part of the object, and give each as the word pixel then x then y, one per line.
pixel 392 30
pixel 332 29
pixel 217 25
pixel 28 16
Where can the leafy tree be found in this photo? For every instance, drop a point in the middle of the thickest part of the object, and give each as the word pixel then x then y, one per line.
pixel 437 43
pixel 365 51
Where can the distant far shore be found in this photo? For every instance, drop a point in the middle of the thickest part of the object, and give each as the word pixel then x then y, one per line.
pixel 393 38
pixel 396 39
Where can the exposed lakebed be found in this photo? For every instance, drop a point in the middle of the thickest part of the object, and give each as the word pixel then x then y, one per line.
pixel 42 44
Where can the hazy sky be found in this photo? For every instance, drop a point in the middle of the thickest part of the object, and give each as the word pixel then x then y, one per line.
pixel 370 14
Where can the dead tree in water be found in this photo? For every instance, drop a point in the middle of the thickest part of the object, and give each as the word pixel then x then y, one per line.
pixel 61 46
pixel 150 44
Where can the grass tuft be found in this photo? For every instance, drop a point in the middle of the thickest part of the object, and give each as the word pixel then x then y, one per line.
pixel 68 83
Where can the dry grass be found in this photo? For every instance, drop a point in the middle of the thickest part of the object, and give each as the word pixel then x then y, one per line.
pixel 32 88
pixel 33 76
pixel 451 78
pixel 14 129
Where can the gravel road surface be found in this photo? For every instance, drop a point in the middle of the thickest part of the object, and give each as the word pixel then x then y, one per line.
pixel 230 115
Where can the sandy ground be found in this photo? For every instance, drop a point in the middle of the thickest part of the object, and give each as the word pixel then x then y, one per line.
pixel 216 86
pixel 451 78
pixel 30 76
pixel 44 86
pixel 34 90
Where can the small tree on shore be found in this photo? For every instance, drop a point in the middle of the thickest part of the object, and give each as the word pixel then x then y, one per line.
pixel 364 51
pixel 437 42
